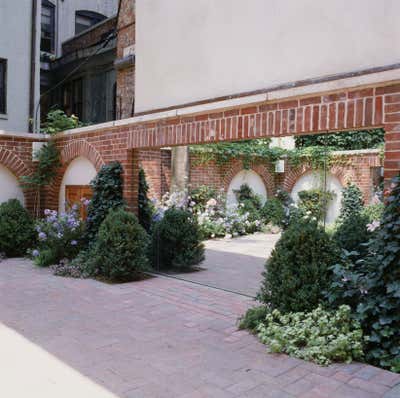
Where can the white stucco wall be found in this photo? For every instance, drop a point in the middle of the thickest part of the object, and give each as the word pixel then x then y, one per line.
pixel 9 186
pixel 189 50
pixel 79 172
pixel 252 179
pixel 15 47
pixel 314 180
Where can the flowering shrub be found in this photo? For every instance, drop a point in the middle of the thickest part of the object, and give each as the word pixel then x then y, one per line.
pixel 214 217
pixel 59 236
pixel 320 336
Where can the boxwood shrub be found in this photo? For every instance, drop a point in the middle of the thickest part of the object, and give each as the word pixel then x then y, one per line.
pixel 17 232
pixel 120 251
pixel 297 272
pixel 176 241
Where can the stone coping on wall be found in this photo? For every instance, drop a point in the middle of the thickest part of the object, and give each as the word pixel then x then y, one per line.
pixel 31 136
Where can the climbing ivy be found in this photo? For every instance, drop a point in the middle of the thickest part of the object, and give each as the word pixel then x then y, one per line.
pixel 350 140
pixel 222 153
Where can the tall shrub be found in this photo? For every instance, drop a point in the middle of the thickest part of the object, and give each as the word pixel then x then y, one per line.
pixel 352 201
pixel 120 252
pixel 297 272
pixel 176 241
pixel 372 285
pixel 145 206
pixel 16 229
pixel 107 195
pixel 351 232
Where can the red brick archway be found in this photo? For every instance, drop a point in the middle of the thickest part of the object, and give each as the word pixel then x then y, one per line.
pixel 260 169
pixel 70 152
pixel 18 167
pixel 344 176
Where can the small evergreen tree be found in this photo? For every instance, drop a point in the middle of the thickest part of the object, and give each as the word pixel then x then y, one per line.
pixel 176 241
pixel 297 272
pixel 145 206
pixel 120 252
pixel 16 229
pixel 351 232
pixel 107 195
pixel 352 202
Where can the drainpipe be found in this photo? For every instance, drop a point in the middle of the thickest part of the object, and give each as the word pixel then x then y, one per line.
pixel 32 85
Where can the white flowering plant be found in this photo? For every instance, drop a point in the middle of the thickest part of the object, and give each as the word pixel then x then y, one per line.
pixel 214 217
pixel 59 236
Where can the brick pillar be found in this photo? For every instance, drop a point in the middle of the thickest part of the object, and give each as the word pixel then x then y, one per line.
pixel 392 129
pixel 131 180
pixel 150 161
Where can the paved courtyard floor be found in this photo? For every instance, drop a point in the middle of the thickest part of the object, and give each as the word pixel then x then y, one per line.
pixel 160 337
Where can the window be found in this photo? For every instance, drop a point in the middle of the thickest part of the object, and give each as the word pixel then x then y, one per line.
pixel 47 27
pixel 73 98
pixel 85 19
pixel 3 86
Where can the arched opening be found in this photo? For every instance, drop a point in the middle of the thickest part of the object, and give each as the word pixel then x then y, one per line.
pixel 315 180
pixel 75 182
pixel 252 179
pixel 84 19
pixel 10 188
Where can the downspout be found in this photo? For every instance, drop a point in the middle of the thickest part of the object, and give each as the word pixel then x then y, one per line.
pixel 32 85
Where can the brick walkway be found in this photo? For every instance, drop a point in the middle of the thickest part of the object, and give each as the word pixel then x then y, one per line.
pixel 164 338
pixel 235 264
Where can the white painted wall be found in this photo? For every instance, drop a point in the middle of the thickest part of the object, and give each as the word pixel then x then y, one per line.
pixel 9 186
pixel 252 179
pixel 187 50
pixel 15 46
pixel 79 172
pixel 314 180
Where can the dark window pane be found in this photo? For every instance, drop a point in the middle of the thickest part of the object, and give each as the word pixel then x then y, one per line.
pixel 47 27
pixel 3 86
pixel 85 19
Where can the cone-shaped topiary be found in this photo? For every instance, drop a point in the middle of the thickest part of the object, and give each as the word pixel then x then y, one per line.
pixel 120 252
pixel 351 232
pixel 352 201
pixel 107 194
pixel 297 272
pixel 16 229
pixel 176 241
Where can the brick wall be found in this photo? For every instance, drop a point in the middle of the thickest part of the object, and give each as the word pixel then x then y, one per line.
pixel 16 156
pixel 124 140
pixel 357 167
pixel 89 38
pixel 126 70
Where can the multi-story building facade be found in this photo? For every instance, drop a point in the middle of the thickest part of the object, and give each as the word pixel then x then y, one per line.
pixel 19 63
pixel 72 31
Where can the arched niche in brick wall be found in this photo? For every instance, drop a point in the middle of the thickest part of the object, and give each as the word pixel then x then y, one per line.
pixel 10 187
pixel 78 173
pixel 315 180
pixel 252 179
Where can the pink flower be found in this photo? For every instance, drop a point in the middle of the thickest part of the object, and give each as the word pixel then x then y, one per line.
pixel 373 226
pixel 212 202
